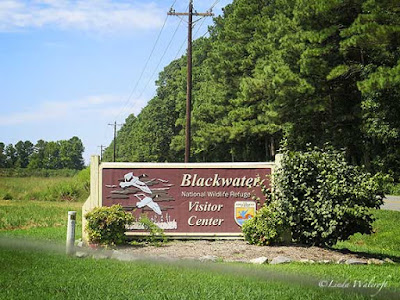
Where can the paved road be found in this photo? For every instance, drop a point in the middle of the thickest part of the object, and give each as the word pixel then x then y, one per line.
pixel 391 203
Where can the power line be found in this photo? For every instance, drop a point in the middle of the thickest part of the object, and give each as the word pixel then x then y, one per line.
pixel 159 62
pixel 179 51
pixel 198 28
pixel 202 23
pixel 165 51
pixel 197 31
pixel 101 151
pixel 215 3
pixel 115 138
pixel 145 65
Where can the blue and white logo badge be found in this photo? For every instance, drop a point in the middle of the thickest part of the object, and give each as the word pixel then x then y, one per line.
pixel 244 210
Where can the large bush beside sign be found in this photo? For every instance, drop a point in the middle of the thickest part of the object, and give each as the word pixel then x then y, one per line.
pixel 320 197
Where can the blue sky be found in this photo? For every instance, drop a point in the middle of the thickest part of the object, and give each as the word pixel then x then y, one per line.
pixel 70 67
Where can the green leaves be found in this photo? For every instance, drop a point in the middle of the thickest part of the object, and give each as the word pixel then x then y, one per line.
pixel 63 154
pixel 338 71
pixel 267 227
pixel 106 225
pixel 324 198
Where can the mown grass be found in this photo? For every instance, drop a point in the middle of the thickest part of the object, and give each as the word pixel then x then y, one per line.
pixel 49 275
pixel 385 241
pixel 49 234
pixel 340 272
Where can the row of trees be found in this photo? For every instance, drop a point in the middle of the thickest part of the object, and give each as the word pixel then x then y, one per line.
pixel 314 72
pixel 63 154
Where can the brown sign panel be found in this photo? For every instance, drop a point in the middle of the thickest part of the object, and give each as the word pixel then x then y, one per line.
pixel 186 200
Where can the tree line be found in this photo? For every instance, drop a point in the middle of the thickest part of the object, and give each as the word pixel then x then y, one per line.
pixel 310 72
pixel 63 154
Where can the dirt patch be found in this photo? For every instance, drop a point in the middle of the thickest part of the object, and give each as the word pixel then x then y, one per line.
pixel 237 251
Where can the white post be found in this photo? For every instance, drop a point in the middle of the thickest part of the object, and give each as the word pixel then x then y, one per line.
pixel 71 232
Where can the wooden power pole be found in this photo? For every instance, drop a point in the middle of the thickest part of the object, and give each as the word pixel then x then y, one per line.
pixel 190 15
pixel 115 138
pixel 101 151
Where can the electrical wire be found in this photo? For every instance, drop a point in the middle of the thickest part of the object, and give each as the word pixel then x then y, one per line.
pixel 180 48
pixel 215 3
pixel 198 28
pixel 165 51
pixel 145 66
pixel 197 31
pixel 159 62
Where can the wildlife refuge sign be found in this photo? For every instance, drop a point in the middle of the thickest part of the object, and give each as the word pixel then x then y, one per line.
pixel 186 200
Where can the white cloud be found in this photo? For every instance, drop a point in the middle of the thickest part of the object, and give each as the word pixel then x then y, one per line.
pixel 105 16
pixel 103 105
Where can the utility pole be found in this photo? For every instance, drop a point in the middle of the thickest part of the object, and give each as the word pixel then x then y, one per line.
pixel 190 15
pixel 115 138
pixel 101 151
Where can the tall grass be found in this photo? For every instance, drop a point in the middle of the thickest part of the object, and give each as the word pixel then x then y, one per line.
pixel 46 188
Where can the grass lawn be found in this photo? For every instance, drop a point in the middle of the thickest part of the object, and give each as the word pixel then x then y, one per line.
pixel 384 242
pixel 41 273
pixel 49 275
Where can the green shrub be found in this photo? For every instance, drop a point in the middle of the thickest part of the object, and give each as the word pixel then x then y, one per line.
pixel 386 181
pixel 267 227
pixel 156 234
pixel 106 225
pixel 68 191
pixel 323 198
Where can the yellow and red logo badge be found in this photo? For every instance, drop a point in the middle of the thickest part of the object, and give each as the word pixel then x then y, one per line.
pixel 244 210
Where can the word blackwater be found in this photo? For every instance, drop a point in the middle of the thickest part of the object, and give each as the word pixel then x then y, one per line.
pixel 196 181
